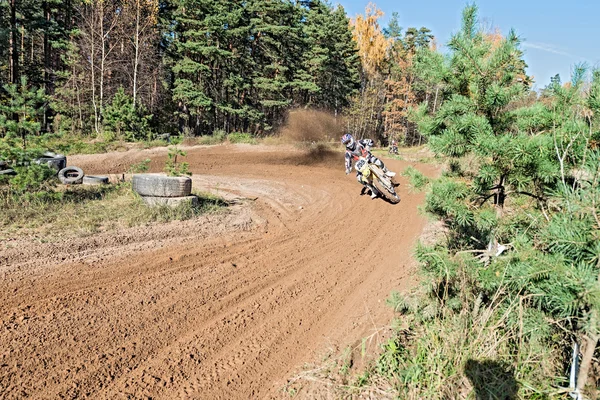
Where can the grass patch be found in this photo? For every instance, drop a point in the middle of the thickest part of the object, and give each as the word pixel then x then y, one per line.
pixel 85 210
pixel 71 145
pixel 218 137
pixel 148 144
pixel 437 354
pixel 238 137
pixel 78 144
pixel 417 180
pixel 339 375
pixel 380 153
pixel 91 145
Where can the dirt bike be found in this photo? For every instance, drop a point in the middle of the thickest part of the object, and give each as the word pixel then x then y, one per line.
pixel 393 149
pixel 373 175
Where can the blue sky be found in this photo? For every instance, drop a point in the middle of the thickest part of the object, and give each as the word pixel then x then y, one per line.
pixel 556 34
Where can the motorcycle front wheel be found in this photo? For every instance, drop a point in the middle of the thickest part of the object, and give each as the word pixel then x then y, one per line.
pixel 390 195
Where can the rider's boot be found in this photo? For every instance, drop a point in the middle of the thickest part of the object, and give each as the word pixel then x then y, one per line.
pixel 363 190
pixel 373 190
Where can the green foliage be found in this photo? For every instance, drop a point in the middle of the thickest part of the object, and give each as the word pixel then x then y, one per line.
pixel 417 180
pixel 330 59
pixel 32 178
pixel 259 59
pixel 12 152
pixel 84 210
pixel 238 66
pixel 125 119
pixel 141 167
pixel 512 277
pixel 453 321
pixel 218 137
pixel 172 167
pixel 20 111
pixel 447 199
pixel 238 137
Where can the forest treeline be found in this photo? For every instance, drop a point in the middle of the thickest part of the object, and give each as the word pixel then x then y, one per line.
pixel 134 69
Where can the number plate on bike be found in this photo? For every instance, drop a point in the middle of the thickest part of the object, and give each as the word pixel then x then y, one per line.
pixel 360 165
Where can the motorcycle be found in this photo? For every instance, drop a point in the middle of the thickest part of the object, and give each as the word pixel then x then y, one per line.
pixel 373 175
pixel 393 148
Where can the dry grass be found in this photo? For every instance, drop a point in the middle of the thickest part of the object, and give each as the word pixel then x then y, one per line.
pixel 341 374
pixel 85 210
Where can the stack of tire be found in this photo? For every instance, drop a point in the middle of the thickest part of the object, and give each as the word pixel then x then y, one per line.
pixel 53 160
pixel 162 190
pixel 69 175
pixel 5 169
pixel 75 176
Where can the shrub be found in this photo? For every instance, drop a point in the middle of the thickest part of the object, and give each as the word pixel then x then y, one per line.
pixel 172 167
pixel 124 119
pixel 238 137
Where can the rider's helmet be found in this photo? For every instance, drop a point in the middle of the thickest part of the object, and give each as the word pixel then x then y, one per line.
pixel 348 140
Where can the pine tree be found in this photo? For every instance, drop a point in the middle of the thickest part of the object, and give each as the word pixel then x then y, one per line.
pixel 331 61
pixel 36 36
pixel 276 46
pixel 541 157
pixel 201 50
pixel 20 112
pixel 123 118
pixel 484 81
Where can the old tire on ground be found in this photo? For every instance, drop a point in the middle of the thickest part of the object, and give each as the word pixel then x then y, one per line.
pixel 390 196
pixel 71 175
pixel 8 172
pixel 95 180
pixel 52 160
pixel 155 185
pixel 191 201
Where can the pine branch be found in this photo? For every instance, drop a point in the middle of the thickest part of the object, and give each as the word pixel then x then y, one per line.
pixel 541 199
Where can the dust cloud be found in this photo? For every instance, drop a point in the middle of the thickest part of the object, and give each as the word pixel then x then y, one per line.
pixel 312 126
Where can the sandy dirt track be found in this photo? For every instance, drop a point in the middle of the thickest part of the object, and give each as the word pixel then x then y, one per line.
pixel 226 307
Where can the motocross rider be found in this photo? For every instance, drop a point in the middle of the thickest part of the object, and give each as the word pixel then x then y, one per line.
pixel 362 148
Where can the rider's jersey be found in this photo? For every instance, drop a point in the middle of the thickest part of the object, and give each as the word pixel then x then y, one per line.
pixel 362 148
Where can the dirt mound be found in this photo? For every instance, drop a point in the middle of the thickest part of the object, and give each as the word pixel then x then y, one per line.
pixel 312 126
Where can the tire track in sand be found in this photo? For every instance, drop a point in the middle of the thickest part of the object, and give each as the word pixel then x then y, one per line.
pixel 226 317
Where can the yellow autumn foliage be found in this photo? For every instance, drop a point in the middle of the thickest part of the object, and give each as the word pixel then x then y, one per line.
pixel 372 44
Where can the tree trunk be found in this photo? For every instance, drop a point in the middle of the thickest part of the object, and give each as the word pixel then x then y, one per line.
pixel 13 53
pixel 22 53
pixel 137 51
pixel 93 67
pixel 102 62
pixel 500 197
pixel 47 66
pixel 77 91
pixel 590 343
